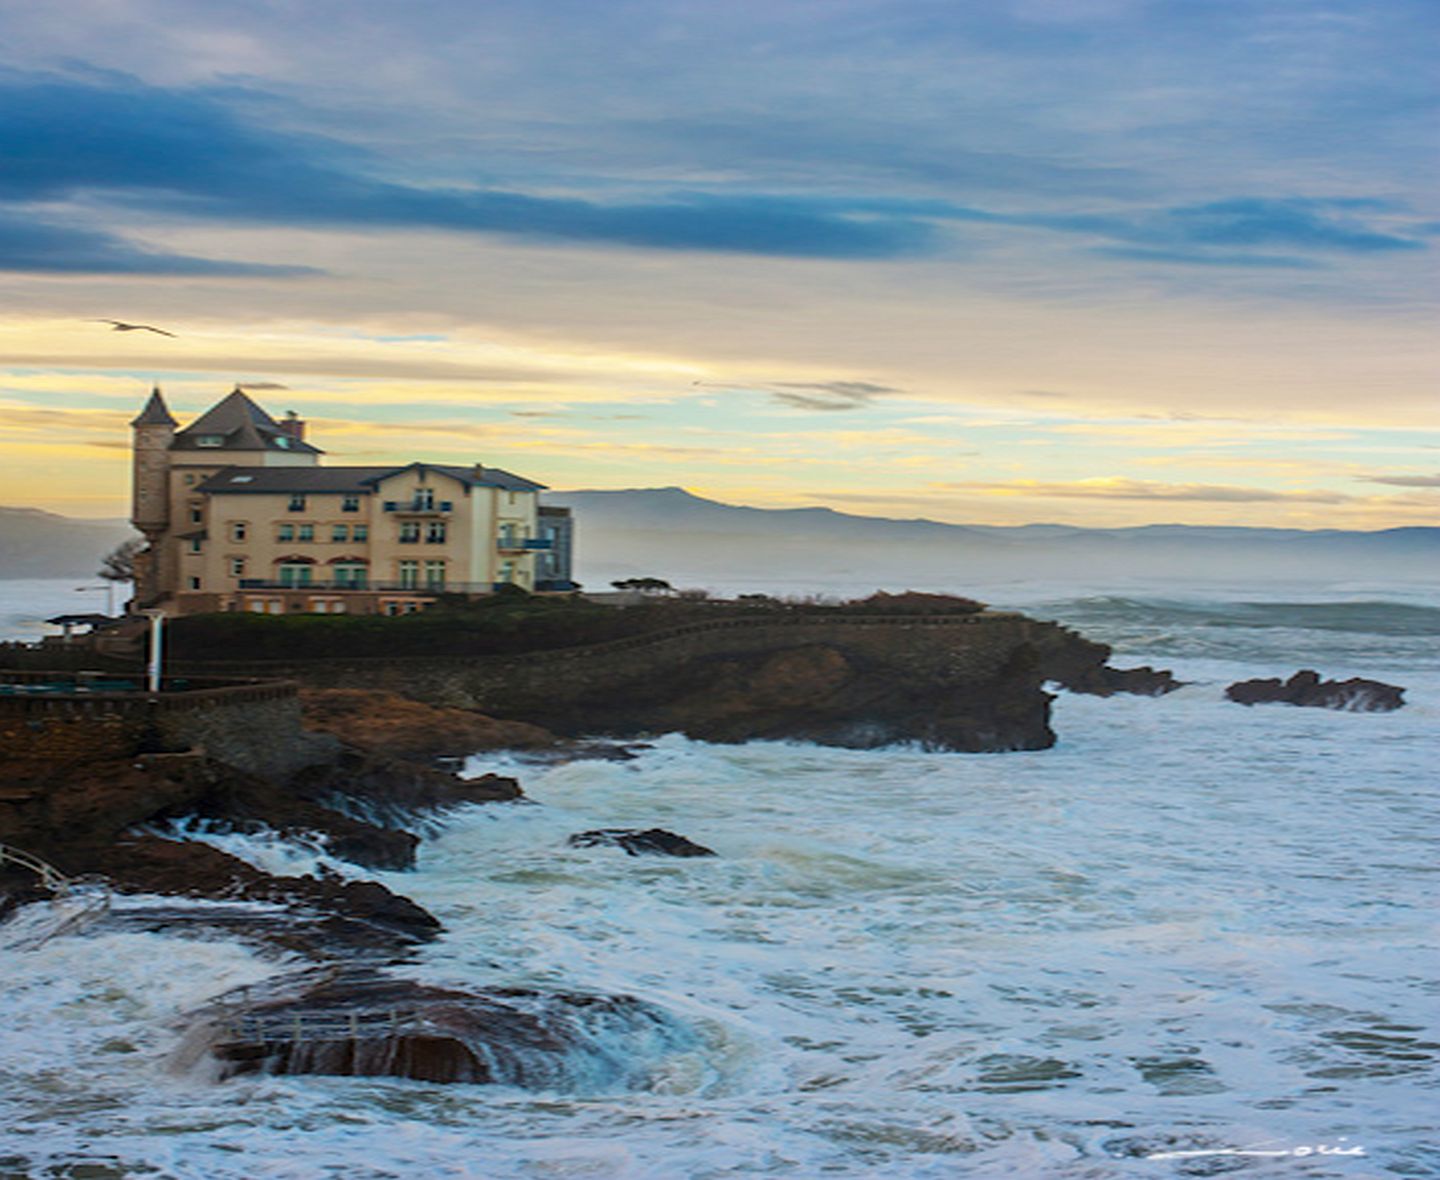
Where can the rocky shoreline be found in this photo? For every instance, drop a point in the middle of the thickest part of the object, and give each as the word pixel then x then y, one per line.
pixel 374 780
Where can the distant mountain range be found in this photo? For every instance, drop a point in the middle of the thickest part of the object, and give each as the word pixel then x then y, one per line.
pixel 688 540
pixel 38 544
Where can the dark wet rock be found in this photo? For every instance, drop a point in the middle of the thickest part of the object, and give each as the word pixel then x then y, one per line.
pixel 652 841
pixel 365 1024
pixel 334 916
pixel 393 792
pixel 1305 688
pixel 1105 681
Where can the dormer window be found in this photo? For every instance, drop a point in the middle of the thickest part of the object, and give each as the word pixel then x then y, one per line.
pixel 282 442
pixel 297 503
pixel 209 440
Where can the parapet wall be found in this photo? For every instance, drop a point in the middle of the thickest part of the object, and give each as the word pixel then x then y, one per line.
pixel 936 649
pixel 253 726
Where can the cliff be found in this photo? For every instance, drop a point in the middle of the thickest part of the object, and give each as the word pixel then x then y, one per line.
pixel 970 682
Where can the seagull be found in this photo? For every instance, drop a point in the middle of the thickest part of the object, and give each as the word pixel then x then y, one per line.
pixel 122 326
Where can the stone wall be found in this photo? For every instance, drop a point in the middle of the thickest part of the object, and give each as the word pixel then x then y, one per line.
pixel 252 726
pixel 942 650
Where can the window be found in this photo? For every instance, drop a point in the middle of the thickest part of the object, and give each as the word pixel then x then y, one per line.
pixel 360 532
pixel 209 440
pixel 434 575
pixel 435 532
pixel 507 571
pixel 305 532
pixel 237 567
pixel 194 583
pixel 424 499
pixel 196 545
pixel 189 481
pixel 409 532
pixel 350 504
pixel 295 574
pixel 339 532
pixel 197 514
pixel 286 532
pixel 238 530
pixel 409 575
pixel 297 502
pixel 351 575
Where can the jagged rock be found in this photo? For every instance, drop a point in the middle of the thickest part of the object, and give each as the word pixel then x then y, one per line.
pixel 350 917
pixel 1105 681
pixel 394 791
pixel 1305 688
pixel 654 841
pixel 361 1024
pixel 398 726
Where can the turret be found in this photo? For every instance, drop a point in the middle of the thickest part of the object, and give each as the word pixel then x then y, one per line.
pixel 154 431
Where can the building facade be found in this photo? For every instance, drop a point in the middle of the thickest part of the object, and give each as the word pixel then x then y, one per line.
pixel 239 514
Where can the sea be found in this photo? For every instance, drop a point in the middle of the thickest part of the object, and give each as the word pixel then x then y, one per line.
pixel 1193 938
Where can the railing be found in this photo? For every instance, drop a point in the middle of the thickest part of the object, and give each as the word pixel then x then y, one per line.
pixel 435 506
pixel 50 877
pixel 418 587
pixel 521 544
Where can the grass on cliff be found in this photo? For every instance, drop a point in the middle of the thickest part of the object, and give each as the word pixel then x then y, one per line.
pixel 499 624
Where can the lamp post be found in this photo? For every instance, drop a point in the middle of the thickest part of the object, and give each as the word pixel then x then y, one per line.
pixel 109 589
pixel 157 636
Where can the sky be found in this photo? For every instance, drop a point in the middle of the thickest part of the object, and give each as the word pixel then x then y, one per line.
pixel 1095 262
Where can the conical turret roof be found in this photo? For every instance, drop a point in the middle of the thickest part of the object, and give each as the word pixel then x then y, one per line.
pixel 155 413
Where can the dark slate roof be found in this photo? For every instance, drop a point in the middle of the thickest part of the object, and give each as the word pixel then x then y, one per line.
pixel 346 480
pixel 243 425
pixel 155 413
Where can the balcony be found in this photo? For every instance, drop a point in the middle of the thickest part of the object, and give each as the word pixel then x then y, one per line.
pixel 419 507
pixel 523 544
pixel 330 587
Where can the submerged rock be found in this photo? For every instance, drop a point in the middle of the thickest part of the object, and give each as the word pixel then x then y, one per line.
pixel 1305 688
pixel 652 841
pixel 358 1023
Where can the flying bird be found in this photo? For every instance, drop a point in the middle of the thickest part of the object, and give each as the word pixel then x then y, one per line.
pixel 122 326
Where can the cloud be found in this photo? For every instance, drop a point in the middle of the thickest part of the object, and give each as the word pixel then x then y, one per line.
pixel 1136 489
pixel 35 246
pixel 1236 231
pixel 828 395
pixel 188 152
pixel 1406 481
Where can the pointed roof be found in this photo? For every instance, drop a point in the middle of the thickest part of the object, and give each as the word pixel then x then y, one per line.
pixel 242 426
pixel 155 413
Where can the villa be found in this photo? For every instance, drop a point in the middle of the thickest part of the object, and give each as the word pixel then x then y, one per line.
pixel 239 515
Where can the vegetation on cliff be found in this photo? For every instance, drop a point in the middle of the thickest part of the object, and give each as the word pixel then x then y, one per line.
pixel 506 623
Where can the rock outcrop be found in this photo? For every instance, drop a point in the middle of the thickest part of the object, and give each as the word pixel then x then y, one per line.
pixel 651 842
pixel 361 1023
pixel 388 723
pixel 1305 688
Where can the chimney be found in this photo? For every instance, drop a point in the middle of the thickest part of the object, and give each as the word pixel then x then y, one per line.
pixel 479 473
pixel 294 426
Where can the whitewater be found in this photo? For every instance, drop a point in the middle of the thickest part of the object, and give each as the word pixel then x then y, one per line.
pixel 1189 927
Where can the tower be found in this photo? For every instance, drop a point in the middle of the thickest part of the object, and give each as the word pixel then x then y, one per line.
pixel 153 432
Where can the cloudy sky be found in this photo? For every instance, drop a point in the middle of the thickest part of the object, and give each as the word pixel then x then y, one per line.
pixel 1092 261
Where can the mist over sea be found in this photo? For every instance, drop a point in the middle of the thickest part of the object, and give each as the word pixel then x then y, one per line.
pixel 1191 926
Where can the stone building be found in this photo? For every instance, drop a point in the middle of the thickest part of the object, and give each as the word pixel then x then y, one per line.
pixel 239 514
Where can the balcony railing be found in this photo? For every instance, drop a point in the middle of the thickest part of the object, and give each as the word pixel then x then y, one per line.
pixel 433 508
pixel 419 587
pixel 523 544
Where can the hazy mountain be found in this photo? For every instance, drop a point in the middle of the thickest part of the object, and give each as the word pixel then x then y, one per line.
pixel 38 544
pixel 688 540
